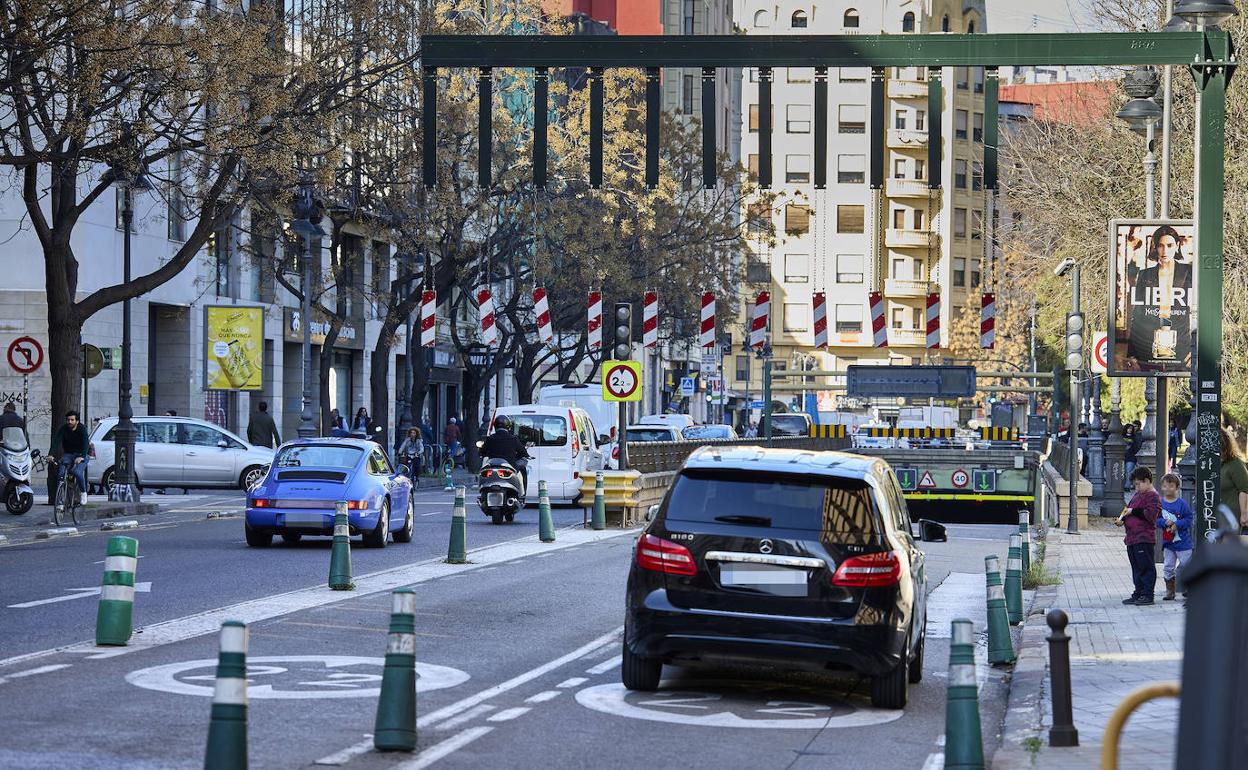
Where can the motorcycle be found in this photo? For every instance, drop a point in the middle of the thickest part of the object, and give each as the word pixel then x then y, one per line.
pixel 15 465
pixel 501 489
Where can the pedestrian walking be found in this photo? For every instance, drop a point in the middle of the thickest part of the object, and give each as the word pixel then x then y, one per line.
pixel 361 422
pixel 1131 434
pixel 1176 438
pixel 450 437
pixel 1176 532
pixel 261 429
pixel 1234 486
pixel 1140 520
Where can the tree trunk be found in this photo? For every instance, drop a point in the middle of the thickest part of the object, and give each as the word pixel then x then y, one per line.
pixel 474 382
pixel 327 363
pixel 64 364
pixel 379 391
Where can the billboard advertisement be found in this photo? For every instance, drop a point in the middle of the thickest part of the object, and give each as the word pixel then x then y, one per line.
pixel 234 347
pixel 1152 297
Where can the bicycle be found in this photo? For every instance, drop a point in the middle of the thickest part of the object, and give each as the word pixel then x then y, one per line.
pixel 68 497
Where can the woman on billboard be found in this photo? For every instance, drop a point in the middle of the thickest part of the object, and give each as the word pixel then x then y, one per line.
pixel 1160 317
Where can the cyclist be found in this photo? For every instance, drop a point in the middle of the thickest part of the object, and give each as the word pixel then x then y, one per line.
pixel 73 441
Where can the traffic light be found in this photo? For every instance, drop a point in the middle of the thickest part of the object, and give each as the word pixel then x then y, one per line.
pixel 1074 341
pixel 623 331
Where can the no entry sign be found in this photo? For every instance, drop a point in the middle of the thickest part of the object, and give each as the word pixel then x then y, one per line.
pixel 25 355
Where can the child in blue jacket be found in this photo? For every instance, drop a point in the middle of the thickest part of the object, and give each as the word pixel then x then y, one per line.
pixel 1175 524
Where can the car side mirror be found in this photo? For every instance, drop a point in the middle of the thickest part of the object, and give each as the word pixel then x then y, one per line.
pixel 604 439
pixel 223 444
pixel 403 470
pixel 651 512
pixel 932 531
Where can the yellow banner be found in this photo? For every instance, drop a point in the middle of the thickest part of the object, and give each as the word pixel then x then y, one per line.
pixel 235 349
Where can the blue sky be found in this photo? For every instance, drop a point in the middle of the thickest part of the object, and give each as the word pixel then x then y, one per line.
pixel 1032 16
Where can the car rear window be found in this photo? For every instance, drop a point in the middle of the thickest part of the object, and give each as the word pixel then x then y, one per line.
pixel 844 507
pixel 540 429
pixel 792 422
pixel 706 432
pixel 649 434
pixel 319 456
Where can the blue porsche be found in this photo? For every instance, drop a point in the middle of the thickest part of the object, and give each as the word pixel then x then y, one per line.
pixel 308 476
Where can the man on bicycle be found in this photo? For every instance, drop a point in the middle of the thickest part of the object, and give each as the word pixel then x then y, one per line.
pixel 73 442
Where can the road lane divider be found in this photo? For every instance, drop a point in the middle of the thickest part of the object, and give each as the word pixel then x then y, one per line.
pixel 457 549
pixel 1000 646
pixel 1014 580
pixel 964 743
pixel 545 522
pixel 56 532
pixel 395 726
pixel 114 620
pixel 340 551
pixel 110 526
pixel 227 730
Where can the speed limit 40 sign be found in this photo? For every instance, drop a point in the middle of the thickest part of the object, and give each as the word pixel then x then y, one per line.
pixel 621 381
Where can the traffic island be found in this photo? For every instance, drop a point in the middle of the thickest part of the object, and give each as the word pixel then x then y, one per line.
pixel 97 510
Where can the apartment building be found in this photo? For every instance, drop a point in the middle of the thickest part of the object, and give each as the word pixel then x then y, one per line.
pixel 847 240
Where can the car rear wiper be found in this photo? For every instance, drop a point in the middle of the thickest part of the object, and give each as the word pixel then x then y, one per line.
pixel 757 521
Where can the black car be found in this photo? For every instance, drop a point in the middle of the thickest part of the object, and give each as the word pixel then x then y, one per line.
pixel 793 558
pixel 788 424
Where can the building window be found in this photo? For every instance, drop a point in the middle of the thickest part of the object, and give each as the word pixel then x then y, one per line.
pixel 762 19
pixel 797 118
pixel 920 170
pixel 959 272
pixel 797 169
pixel 753 166
pixel 743 368
pixel 753 71
pixel 759 223
pixel 977 176
pixel 849 268
pixel 977 225
pixel 686 95
pixel 848 319
pixel 920 120
pixel 688 16
pixel 797 219
pixel 796 268
pixel 798 20
pixel 918 219
pixel 959 174
pixel 853 74
pixel 977 127
pixel 899 265
pixel 176 208
pixel 899 219
pixel 899 120
pixel 977 75
pixel 753 118
pixel 796 317
pixel 899 317
pixel 963 75
pixel 975 277
pixel 852 119
pixel 970 27
pixel 899 169
pixel 959 124
pixel 851 169
pixel 907 22
pixel 220 247
pixel 801 74
pixel 850 219
pixel 944 23
pixel 959 223
pixel 851 19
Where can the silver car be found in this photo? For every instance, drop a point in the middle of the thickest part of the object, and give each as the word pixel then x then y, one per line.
pixel 180 452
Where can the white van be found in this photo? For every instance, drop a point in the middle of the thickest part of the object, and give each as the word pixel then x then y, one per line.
pixel 562 443
pixel 587 396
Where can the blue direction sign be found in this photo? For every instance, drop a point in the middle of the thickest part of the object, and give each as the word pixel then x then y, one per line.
pixel 910 381
pixel 908 478
pixel 757 404
pixel 984 480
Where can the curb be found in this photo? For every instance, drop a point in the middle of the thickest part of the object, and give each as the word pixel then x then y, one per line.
pixel 224 514
pixel 4 539
pixel 56 532
pixel 1024 710
pixel 109 526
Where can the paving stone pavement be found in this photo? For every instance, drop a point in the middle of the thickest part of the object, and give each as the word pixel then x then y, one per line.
pixel 1114 649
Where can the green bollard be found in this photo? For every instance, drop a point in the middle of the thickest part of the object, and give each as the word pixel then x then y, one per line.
pixel 449 476
pixel 1024 529
pixel 227 732
pixel 1014 580
pixel 457 553
pixel 1000 646
pixel 114 620
pixel 340 552
pixel 545 523
pixel 964 742
pixel 395 727
pixel 599 518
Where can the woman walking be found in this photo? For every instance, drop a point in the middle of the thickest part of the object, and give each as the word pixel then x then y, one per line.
pixel 1234 487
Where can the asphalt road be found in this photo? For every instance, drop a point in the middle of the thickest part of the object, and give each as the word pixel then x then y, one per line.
pixel 518 655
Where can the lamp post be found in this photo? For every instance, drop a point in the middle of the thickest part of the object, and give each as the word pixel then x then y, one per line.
pixel 130 177
pixel 307 225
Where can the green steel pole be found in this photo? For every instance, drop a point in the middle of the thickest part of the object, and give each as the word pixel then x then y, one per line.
pixel 767 399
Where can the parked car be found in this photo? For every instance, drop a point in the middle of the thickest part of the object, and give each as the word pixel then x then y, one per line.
pixel 563 443
pixel 787 557
pixel 789 424
pixel 308 477
pixel 643 434
pixel 680 421
pixel 179 452
pixel 709 433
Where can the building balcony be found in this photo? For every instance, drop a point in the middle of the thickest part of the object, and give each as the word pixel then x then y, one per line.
pixel 905 288
pixel 911 239
pixel 906 139
pixel 906 89
pixel 908 188
pixel 907 338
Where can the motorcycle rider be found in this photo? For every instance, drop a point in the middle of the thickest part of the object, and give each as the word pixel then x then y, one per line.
pixel 503 445
pixel 9 418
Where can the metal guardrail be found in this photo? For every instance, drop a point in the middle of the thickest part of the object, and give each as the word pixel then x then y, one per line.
pixel 656 456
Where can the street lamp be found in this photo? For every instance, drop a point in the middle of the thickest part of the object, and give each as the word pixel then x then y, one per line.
pixel 1075 336
pixel 1204 13
pixel 129 174
pixel 307 225
pixel 1141 112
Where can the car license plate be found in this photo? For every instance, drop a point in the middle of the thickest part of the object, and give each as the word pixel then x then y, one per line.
pixel 494 499
pixel 778 581
pixel 305 520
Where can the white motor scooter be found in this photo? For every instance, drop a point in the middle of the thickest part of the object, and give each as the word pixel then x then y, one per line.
pixel 15 465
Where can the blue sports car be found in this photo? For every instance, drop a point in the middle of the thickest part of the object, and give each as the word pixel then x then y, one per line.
pixel 306 479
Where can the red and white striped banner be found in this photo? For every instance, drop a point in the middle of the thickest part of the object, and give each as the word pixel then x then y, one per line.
pixel 428 318
pixel 879 329
pixel 650 320
pixel 988 321
pixel 707 337
pixel 820 305
pixel 595 320
pixel 758 324
pixel 485 303
pixel 541 308
pixel 933 321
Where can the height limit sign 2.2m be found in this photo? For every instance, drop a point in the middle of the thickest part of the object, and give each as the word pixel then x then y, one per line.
pixel 621 381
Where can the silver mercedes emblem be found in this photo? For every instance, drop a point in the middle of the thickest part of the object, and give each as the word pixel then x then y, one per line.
pixel 764 546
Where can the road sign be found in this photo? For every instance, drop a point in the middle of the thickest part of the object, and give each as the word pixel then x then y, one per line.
pixel 25 355
pixel 984 480
pixel 1100 352
pixel 757 404
pixel 960 478
pixel 92 361
pixel 687 386
pixel 908 478
pixel 910 381
pixel 621 381
pixel 926 481
pixel 112 357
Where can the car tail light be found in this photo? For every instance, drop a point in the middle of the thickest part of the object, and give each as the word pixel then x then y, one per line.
pixel 357 505
pixel 260 502
pixel 659 555
pixel 91 450
pixel 615 452
pixel 873 570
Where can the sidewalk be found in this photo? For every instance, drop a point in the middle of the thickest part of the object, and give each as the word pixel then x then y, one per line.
pixel 1114 649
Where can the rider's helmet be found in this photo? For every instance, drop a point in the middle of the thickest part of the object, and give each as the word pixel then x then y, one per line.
pixel 502 422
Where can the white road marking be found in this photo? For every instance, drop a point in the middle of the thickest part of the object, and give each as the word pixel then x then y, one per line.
pixel 34 671
pixel 445 748
pixel 77 593
pixel 961 595
pixel 435 513
pixel 384 581
pixel 604 666
pixel 465 718
pixel 935 761
pixel 171 677
pixel 543 696
pixel 575 681
pixel 506 715
pixel 349 753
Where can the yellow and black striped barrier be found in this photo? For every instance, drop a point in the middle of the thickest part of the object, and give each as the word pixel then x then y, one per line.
pixel 998 434
pixel 946 433
pixel 828 431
